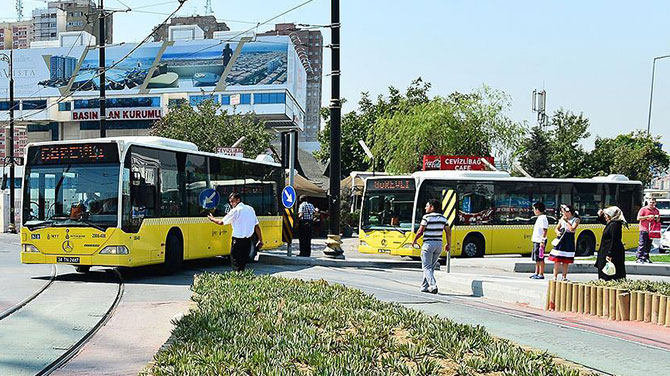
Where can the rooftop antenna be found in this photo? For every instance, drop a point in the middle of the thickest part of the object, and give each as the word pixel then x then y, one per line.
pixel 540 105
pixel 19 10
pixel 208 7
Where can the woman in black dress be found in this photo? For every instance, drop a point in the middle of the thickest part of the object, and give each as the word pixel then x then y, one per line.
pixel 611 247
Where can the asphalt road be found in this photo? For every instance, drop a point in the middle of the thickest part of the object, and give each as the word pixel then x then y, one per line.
pixel 141 322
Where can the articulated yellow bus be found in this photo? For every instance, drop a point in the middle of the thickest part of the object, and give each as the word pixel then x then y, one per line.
pixel 133 201
pixel 491 211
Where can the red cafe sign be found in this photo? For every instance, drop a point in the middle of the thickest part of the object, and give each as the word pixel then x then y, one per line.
pixel 454 162
pixel 146 113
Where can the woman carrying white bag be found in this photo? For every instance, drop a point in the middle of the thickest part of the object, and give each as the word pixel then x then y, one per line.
pixel 563 253
pixel 612 254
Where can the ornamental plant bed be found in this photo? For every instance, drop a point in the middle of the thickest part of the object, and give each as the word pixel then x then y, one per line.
pixel 659 287
pixel 263 325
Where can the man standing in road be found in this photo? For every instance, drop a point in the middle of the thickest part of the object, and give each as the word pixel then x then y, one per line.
pixel 305 220
pixel 648 217
pixel 433 224
pixel 245 223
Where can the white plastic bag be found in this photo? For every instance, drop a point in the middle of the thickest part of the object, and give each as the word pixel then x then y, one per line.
pixel 609 268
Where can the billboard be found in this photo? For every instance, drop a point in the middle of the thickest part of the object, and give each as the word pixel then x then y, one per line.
pixel 267 62
pixel 454 162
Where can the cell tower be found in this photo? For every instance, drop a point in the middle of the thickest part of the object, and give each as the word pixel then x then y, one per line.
pixel 208 7
pixel 19 10
pixel 539 106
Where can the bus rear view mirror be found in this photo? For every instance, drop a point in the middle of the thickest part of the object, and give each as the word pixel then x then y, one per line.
pixel 4 181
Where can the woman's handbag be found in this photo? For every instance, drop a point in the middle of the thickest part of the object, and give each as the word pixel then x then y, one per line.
pixel 609 268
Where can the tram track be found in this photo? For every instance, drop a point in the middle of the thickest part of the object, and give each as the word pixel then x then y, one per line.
pixel 76 305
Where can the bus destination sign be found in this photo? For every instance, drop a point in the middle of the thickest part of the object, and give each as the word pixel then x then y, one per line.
pixel 76 153
pixel 400 184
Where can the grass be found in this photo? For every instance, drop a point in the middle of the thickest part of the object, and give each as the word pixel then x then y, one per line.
pixel 264 325
pixel 654 258
pixel 662 288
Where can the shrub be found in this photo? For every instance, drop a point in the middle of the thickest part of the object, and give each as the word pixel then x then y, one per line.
pixel 662 288
pixel 264 325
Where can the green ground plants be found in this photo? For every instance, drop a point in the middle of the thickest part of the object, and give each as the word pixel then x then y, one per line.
pixel 264 325
pixel 662 288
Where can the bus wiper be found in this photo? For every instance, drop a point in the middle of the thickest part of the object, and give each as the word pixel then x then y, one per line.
pixel 92 224
pixel 35 225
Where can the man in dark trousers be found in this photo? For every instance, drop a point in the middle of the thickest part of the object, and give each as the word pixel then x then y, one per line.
pixel 305 220
pixel 245 223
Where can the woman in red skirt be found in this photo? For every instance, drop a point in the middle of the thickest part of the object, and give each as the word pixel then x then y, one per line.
pixel 563 254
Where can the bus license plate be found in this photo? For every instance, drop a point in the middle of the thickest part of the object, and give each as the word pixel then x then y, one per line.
pixel 72 260
pixel 382 250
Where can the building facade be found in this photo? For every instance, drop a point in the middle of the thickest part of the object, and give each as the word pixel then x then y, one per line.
pixel 47 23
pixel 309 45
pixel 20 141
pixel 208 24
pixel 16 35
pixel 68 16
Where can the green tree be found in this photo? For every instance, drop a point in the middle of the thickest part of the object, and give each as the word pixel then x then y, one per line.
pixel 637 155
pixel 210 127
pixel 568 158
pixel 352 155
pixel 471 124
pixel 534 153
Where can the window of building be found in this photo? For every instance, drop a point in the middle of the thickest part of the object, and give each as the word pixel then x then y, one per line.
pixel 34 104
pixel 245 99
pixel 64 106
pixel 4 105
pixel 176 102
pixel 195 100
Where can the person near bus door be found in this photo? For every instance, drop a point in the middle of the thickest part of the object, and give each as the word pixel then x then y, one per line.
pixel 245 223
pixel 305 220
pixel 433 224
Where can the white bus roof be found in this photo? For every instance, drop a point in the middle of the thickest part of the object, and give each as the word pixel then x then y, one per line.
pixel 152 141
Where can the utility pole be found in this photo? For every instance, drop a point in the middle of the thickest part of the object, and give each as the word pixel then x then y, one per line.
pixel 334 243
pixel 10 62
pixel 101 69
pixel 651 94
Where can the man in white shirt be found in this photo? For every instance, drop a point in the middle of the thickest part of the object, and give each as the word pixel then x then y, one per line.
pixel 243 219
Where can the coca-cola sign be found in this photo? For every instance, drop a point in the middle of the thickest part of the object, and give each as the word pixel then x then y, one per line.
pixel 455 162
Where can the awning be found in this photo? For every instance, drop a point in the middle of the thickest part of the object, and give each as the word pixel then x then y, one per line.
pixel 358 186
pixel 306 187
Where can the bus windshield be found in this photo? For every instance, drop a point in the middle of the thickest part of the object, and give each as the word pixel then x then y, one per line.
pixel 72 195
pixel 662 205
pixel 388 210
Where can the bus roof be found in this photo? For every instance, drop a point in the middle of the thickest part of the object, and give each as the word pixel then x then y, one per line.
pixel 153 141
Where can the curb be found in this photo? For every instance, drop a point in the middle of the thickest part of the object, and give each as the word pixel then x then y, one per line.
pixel 273 259
pixel 588 268
pixel 494 288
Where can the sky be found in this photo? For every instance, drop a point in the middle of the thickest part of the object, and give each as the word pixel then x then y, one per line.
pixel 593 57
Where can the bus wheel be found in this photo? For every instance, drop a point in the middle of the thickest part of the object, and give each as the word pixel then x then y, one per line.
pixel 253 250
pixel 473 246
pixel 174 253
pixel 82 268
pixel 586 244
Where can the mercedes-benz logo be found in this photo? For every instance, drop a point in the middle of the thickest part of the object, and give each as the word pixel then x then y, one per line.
pixel 383 242
pixel 67 246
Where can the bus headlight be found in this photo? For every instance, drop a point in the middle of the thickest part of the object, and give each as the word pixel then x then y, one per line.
pixel 115 250
pixel 30 248
pixel 408 245
pixel 363 243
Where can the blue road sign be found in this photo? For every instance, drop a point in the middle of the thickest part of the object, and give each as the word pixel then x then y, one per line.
pixel 209 198
pixel 288 196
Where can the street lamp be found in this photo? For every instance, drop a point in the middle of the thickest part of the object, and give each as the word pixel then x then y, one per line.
pixel 651 95
pixel 9 60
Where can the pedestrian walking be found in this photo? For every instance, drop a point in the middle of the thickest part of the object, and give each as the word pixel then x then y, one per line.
pixel 649 217
pixel 611 246
pixel 245 224
pixel 306 213
pixel 539 239
pixel 433 224
pixel 563 253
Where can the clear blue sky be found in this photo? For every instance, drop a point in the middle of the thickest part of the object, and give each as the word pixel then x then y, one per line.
pixel 590 56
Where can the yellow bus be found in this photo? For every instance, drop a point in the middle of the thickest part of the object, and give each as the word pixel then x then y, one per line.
pixel 133 201
pixel 490 211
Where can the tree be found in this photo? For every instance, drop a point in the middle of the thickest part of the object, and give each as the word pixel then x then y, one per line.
pixel 210 127
pixel 637 155
pixel 462 124
pixel 568 158
pixel 535 152
pixel 352 129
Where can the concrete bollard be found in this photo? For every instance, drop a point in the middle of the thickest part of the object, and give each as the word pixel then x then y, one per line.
pixel 655 301
pixel 662 307
pixel 568 296
pixel 640 306
pixel 551 305
pixel 623 305
pixel 599 301
pixel 667 313
pixel 606 302
pixel 613 299
pixel 594 300
pixel 648 297
pixel 580 299
pixel 575 297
